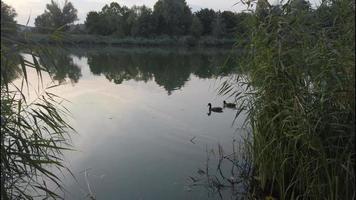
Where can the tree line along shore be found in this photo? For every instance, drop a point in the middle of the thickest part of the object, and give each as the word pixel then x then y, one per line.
pixel 168 23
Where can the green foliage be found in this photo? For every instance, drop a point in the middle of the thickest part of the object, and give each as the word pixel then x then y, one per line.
pixel 231 21
pixel 92 40
pixel 95 24
pixel 242 28
pixel 206 16
pixel 116 19
pixel 262 8
pixel 111 20
pixel 196 29
pixel 173 17
pixel 143 23
pixel 8 23
pixel 55 17
pixel 219 26
pixel 32 139
pixel 300 75
pixel 33 133
pixel 8 29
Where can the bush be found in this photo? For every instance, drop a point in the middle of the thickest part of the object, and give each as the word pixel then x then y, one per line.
pixel 300 72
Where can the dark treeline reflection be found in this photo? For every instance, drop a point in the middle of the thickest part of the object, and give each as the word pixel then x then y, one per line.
pixel 10 65
pixel 169 68
pixel 60 64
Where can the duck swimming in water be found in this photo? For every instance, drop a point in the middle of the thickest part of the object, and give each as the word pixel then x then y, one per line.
pixel 229 105
pixel 215 109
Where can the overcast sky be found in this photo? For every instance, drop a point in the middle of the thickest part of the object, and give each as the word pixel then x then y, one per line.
pixel 33 8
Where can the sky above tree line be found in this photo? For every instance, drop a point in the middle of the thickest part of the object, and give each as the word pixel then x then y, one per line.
pixel 33 8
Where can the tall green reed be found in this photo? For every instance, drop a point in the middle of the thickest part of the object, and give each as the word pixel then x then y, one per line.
pixel 34 133
pixel 299 67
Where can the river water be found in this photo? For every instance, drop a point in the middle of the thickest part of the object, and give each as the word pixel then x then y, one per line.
pixel 141 119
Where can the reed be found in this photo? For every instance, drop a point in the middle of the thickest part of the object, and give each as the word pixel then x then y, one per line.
pixel 299 80
pixel 34 133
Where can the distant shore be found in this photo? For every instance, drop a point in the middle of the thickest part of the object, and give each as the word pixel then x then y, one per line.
pixel 86 39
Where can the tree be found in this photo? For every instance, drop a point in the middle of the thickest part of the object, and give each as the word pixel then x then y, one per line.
pixel 55 17
pixel 196 29
pixel 219 27
pixel 173 17
pixel 115 18
pixel 111 20
pixel 143 25
pixel 231 21
pixel 206 17
pixel 94 23
pixel 8 23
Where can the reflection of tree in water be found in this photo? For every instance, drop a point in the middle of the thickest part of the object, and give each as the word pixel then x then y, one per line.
pixel 116 68
pixel 170 70
pixel 10 60
pixel 208 65
pixel 60 65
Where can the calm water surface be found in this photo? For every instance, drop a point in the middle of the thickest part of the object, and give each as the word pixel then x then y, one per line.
pixel 135 112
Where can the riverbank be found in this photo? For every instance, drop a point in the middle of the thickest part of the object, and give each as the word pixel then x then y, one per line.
pixel 91 40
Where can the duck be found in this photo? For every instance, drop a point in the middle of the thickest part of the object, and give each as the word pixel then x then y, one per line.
pixel 214 109
pixel 229 105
